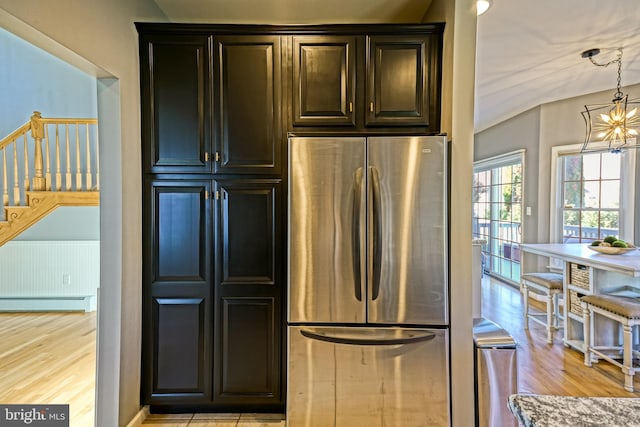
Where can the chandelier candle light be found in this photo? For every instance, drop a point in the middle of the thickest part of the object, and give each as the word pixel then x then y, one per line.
pixel 614 126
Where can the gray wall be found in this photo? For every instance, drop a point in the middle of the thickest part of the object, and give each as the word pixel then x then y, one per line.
pixel 537 131
pixel 520 132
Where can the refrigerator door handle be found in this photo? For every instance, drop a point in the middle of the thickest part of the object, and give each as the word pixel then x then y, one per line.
pixel 354 339
pixel 357 233
pixel 376 233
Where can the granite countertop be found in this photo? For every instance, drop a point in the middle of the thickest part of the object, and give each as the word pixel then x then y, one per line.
pixel 558 411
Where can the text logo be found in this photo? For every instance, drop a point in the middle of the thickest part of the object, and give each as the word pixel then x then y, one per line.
pixel 34 415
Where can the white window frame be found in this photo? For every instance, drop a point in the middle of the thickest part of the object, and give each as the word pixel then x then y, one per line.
pixel 501 160
pixel 627 192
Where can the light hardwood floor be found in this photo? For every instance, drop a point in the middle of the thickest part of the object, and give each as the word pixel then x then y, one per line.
pixel 49 358
pixel 548 368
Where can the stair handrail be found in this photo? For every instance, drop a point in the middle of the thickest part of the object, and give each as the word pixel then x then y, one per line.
pixel 35 156
pixel 15 135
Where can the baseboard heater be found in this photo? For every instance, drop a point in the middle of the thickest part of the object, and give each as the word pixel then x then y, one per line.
pixel 59 303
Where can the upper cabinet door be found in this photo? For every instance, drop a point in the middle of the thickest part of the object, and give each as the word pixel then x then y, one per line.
pixel 175 103
pixel 403 83
pixel 248 100
pixel 324 80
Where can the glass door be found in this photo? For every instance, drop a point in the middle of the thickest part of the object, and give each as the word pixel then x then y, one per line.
pixel 497 214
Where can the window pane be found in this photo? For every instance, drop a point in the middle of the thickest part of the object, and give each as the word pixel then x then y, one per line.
pixel 572 168
pixel 591 166
pixel 571 194
pixel 610 223
pixel 611 164
pixel 590 224
pixel 610 194
pixel 570 227
pixel 591 194
pixel 516 212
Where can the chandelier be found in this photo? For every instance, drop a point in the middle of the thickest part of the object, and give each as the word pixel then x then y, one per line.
pixel 611 127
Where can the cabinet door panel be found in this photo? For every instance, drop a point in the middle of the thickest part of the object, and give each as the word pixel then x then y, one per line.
pixel 250 349
pixel 179 345
pixel 324 80
pixel 181 224
pixel 249 224
pixel 248 104
pixel 400 79
pixel 175 103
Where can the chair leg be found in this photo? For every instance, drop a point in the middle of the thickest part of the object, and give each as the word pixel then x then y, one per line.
pixel 587 317
pixel 549 318
pixel 627 358
pixel 525 293
pixel 556 311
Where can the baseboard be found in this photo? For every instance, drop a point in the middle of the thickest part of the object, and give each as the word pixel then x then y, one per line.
pixel 139 418
pixel 74 303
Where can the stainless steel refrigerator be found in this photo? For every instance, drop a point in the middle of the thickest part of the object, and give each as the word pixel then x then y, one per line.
pixel 368 282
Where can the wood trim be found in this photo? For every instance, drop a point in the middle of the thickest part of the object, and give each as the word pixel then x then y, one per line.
pixel 40 204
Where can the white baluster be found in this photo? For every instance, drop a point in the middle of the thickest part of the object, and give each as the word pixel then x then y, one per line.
pixel 78 173
pixel 58 171
pixel 16 186
pixel 68 159
pixel 88 174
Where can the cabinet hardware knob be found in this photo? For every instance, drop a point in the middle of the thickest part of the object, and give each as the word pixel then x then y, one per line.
pixel 371 107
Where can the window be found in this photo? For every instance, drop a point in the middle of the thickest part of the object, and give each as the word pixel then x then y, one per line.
pixel 591 196
pixel 497 213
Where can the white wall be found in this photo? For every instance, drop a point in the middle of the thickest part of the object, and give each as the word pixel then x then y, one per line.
pixel 45 275
pixel 101 33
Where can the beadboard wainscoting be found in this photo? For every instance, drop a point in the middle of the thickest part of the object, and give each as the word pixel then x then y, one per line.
pixel 49 275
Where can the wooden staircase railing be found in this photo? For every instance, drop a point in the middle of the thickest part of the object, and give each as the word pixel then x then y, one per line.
pixel 67 163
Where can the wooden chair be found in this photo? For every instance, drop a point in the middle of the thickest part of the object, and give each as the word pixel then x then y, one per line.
pixel 549 285
pixel 624 310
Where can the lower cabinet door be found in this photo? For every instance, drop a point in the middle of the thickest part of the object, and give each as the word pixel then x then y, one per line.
pixel 212 295
pixel 248 294
pixel 177 307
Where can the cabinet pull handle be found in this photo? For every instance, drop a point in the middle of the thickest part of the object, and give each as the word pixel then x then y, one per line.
pixel 371 107
pixel 351 107
pixel 217 156
pixel 217 194
pixel 206 156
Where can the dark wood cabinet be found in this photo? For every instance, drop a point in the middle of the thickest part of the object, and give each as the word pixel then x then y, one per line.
pixel 217 104
pixel 248 346
pixel 324 85
pixel 176 284
pixel 401 80
pixel 248 104
pixel 175 117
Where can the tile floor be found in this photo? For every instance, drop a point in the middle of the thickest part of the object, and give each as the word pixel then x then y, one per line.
pixel 215 420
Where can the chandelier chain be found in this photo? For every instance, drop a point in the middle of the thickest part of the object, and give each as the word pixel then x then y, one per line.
pixel 618 95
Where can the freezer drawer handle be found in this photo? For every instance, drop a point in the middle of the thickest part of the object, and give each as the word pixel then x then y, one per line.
pixel 427 336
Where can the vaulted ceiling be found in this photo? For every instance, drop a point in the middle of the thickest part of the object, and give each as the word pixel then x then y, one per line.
pixel 528 51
